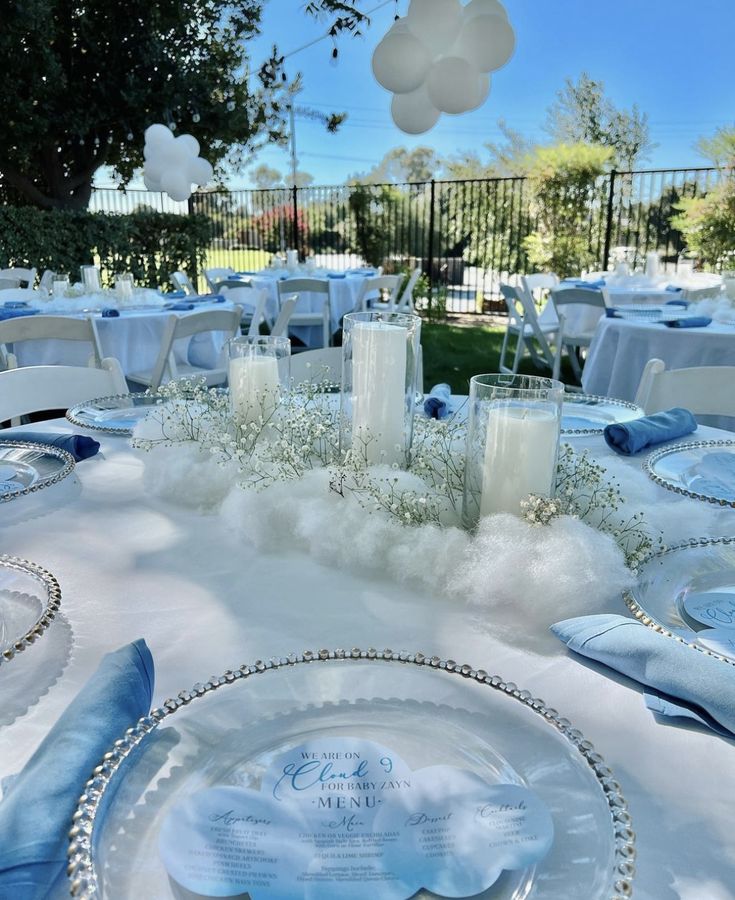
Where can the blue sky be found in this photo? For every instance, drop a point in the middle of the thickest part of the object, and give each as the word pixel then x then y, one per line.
pixel 671 57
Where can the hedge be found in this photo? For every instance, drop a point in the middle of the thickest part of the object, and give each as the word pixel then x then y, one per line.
pixel 149 244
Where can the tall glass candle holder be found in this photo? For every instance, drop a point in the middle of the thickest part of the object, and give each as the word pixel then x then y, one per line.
pixel 90 279
pixel 259 372
pixel 59 286
pixel 512 443
pixel 124 285
pixel 380 354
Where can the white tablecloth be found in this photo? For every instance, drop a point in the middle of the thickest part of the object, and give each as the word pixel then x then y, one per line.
pixel 132 566
pixel 621 348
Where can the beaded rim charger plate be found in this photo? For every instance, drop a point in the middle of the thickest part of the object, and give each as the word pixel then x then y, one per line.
pixel 230 730
pixel 703 470
pixel 118 414
pixel 27 467
pixel 30 597
pixel 666 579
pixel 584 414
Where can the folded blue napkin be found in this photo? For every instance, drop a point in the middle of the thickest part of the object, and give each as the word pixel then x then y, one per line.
pixel 612 312
pixel 10 313
pixel 366 272
pixel 15 304
pixel 110 313
pixel 684 681
pixel 628 438
pixel 36 811
pixel 689 322
pixel 682 303
pixel 673 289
pixel 79 445
pixel 578 282
pixel 436 405
pixel 336 275
pixel 175 295
pixel 181 306
pixel 245 273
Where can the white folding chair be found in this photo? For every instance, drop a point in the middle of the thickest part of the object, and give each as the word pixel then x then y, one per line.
pixel 253 302
pixel 288 305
pixel 705 390
pixel 405 303
pixel 33 389
pixel 383 285
pixel 323 317
pixel 214 276
pixel 27 276
pixel 211 320
pixel 538 288
pixel 316 366
pixel 523 324
pixel 578 310
pixel 182 282
pixel 40 328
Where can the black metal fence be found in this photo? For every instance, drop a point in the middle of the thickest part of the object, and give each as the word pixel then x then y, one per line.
pixel 467 236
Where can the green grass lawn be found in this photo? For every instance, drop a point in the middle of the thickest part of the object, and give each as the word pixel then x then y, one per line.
pixel 454 353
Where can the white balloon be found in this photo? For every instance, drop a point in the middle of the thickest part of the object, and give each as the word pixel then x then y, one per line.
pixel 398 26
pixel 484 8
pixel 155 167
pixel 414 112
pixel 436 23
pixel 199 171
pixel 453 85
pixel 189 143
pixel 483 89
pixel 401 62
pixel 487 42
pixel 157 135
pixel 176 185
pixel 153 184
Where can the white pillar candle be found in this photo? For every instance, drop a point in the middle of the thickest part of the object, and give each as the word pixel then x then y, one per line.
pixel 652 263
pixel 254 387
pixel 379 391
pixel 520 457
pixel 292 258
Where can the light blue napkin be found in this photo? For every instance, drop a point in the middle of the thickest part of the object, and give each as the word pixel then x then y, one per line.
pixel 181 306
pixel 673 289
pixel 714 475
pixel 684 680
pixel 578 282
pixel 336 275
pixel 689 322
pixel 35 814
pixel 628 438
pixel 175 295
pixel 79 445
pixel 11 313
pixel 110 313
pixel 683 303
pixel 436 405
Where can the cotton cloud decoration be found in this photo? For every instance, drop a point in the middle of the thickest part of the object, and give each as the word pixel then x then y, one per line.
pixel 437 59
pixel 173 164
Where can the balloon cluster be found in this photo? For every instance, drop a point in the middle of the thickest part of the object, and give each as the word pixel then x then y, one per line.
pixel 173 164
pixel 437 58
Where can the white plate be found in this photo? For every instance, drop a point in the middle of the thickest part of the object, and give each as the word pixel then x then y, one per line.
pixel 114 415
pixel 27 467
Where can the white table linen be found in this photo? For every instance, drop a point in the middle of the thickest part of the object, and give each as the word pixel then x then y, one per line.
pixel 133 566
pixel 621 348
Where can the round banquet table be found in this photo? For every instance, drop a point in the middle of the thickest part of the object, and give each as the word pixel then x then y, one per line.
pixel 131 566
pixel 344 293
pixel 621 348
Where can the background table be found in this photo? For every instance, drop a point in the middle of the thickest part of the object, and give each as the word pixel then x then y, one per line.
pixel 132 566
pixel 621 348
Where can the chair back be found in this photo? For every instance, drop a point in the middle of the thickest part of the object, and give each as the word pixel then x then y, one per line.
pixel 288 304
pixel 317 366
pixel 214 276
pixel 40 328
pixel 27 276
pixel 514 304
pixel 389 284
pixel 177 327
pixel 705 390
pixel 405 303
pixel 182 282
pixel 303 286
pixel 539 281
pixel 253 303
pixel 33 389
pixel 7 284
pixel 579 296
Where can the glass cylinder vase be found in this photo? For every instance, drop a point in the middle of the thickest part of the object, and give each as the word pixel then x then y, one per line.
pixel 380 353
pixel 124 285
pixel 258 374
pixel 512 443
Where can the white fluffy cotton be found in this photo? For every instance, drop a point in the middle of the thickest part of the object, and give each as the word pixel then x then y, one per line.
pixel 188 477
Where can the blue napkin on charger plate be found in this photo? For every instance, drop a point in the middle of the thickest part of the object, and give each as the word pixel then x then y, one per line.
pixel 612 312
pixel 436 405
pixel 15 304
pixel 38 804
pixel 79 445
pixel 682 303
pixel 628 438
pixel 175 295
pixel 683 681
pixel 336 275
pixel 673 289
pixel 12 313
pixel 110 313
pixel 690 322
pixel 578 282
pixel 245 273
pixel 181 306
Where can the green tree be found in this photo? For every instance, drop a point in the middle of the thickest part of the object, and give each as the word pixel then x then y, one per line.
pixel 401 165
pixel 507 158
pixel 720 148
pixel 582 114
pixel 708 224
pixel 265 178
pixel 84 81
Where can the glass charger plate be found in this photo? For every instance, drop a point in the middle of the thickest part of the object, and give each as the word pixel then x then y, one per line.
pixel 228 731
pixel 588 414
pixel 703 470
pixel 115 415
pixel 665 581
pixel 26 468
pixel 29 600
pixel 645 313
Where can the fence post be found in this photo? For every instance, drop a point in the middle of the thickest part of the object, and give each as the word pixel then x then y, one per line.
pixel 193 265
pixel 295 229
pixel 609 224
pixel 430 249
